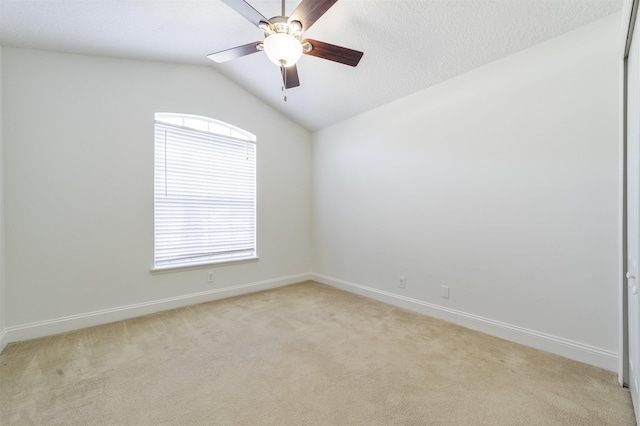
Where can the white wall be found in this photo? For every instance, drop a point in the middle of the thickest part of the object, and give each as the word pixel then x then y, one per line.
pixel 501 184
pixel 78 141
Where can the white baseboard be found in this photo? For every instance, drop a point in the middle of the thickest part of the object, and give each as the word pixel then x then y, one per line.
pixel 557 345
pixel 567 348
pixel 89 319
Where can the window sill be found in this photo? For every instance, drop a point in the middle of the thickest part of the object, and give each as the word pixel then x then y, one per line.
pixel 180 268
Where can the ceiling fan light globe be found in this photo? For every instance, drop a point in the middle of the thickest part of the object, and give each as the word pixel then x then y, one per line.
pixel 282 49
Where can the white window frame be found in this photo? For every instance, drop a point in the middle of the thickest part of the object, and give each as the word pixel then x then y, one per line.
pixel 204 192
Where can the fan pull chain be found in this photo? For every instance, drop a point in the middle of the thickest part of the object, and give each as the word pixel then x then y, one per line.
pixel 284 79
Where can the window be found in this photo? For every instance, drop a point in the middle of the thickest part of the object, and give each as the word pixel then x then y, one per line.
pixel 205 191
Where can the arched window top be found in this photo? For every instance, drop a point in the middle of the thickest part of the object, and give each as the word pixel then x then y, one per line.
pixel 204 124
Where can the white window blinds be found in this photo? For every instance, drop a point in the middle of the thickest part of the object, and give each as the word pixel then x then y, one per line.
pixel 205 191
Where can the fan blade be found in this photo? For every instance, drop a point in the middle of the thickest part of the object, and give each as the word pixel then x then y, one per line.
pixel 309 11
pixel 246 10
pixel 333 53
pixel 234 52
pixel 290 76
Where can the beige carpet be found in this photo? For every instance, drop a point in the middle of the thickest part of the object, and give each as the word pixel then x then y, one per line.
pixel 305 354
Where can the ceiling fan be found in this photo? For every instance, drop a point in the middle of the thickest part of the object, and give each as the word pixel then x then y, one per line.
pixel 283 41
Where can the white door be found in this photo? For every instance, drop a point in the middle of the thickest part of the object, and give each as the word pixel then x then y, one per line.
pixel 633 214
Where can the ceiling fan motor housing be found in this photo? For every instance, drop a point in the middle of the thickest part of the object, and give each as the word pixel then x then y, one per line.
pixel 281 25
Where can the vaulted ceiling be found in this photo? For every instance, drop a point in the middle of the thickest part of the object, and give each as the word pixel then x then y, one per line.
pixel 408 45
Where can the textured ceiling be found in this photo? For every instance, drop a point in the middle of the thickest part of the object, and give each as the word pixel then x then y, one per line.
pixel 408 45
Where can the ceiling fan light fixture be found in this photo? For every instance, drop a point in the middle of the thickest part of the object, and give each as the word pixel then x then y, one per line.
pixel 282 49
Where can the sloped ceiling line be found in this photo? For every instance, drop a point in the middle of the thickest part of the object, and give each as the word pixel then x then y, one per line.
pixel 409 45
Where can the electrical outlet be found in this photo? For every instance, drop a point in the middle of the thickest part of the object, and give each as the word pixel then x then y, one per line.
pixel 444 291
pixel 403 282
pixel 209 277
